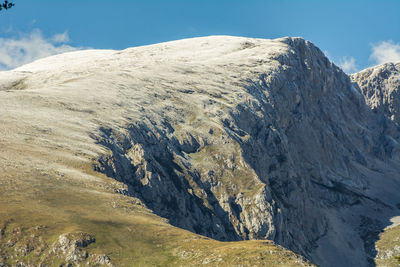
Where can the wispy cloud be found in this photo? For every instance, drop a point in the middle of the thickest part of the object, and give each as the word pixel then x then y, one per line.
pixel 348 64
pixel 26 48
pixel 60 38
pixel 385 51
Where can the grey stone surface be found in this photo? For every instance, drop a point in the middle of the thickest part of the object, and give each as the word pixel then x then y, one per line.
pixel 381 85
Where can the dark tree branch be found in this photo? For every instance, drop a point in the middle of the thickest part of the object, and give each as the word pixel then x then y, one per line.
pixel 6 5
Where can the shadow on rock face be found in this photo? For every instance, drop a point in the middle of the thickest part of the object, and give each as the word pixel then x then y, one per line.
pixel 145 161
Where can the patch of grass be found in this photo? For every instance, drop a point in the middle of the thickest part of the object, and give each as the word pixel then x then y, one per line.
pixel 387 246
pixel 397 258
pixel 227 167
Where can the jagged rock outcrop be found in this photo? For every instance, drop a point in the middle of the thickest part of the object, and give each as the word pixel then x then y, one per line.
pixel 70 245
pixel 26 247
pixel 381 85
pixel 237 138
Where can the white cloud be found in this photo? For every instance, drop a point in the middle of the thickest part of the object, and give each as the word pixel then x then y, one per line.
pixel 348 65
pixel 26 48
pixel 385 51
pixel 61 38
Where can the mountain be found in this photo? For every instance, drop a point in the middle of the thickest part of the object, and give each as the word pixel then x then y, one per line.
pixel 380 86
pixel 109 157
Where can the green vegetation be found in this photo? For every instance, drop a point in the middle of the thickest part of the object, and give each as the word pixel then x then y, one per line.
pixel 38 205
pixel 388 247
pixel 234 175
pixel 397 258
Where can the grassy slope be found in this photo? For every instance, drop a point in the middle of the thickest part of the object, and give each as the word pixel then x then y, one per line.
pixel 388 247
pixel 124 229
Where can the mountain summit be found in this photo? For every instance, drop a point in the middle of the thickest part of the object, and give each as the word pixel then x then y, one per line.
pixel 230 138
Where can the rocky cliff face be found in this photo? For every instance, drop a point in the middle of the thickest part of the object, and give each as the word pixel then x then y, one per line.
pixel 381 85
pixel 283 147
pixel 238 138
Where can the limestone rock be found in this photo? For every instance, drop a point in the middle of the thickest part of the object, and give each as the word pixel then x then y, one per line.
pixel 71 246
pixel 381 87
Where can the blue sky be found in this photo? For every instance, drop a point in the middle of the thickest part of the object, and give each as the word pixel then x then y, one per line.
pixel 354 33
